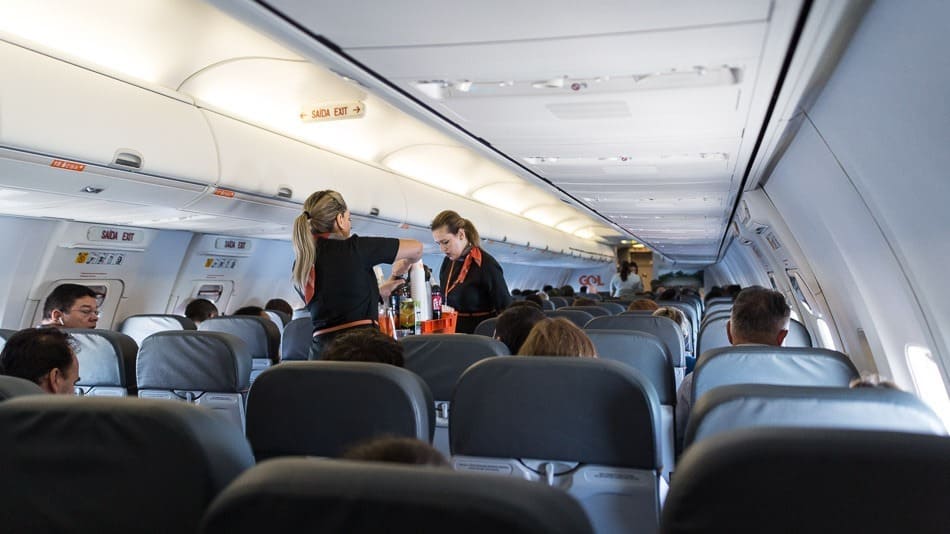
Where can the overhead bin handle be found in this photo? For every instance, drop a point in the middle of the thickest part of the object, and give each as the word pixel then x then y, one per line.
pixel 128 158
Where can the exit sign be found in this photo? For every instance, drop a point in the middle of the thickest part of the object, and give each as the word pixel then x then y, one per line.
pixel 333 111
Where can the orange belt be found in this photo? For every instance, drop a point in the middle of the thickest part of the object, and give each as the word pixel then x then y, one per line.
pixel 475 314
pixel 350 324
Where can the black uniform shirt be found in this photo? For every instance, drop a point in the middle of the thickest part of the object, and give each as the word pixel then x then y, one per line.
pixel 484 288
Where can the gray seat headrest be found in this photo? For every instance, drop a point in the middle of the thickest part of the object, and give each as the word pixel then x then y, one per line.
pixel 112 464
pixel 194 360
pixel 595 311
pixel 798 335
pixel 578 317
pixel 106 358
pixel 4 336
pixel 712 335
pixel 664 328
pixel 641 351
pixel 296 340
pixel 729 408
pixel 779 366
pixel 260 334
pixel 440 359
pixel 313 495
pixel 11 386
pixel 139 327
pixel 555 408
pixel 613 307
pixel 487 327
pixel 810 480
pixel 320 408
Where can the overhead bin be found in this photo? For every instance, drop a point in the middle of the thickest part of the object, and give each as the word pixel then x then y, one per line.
pixel 54 107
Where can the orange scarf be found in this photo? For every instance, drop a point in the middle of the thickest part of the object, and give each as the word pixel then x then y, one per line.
pixel 475 254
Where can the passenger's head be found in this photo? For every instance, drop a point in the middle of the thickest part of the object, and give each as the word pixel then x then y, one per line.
pixel 280 305
pixel 626 268
pixel 250 311
pixel 714 291
pixel 514 325
pixel 324 212
pixel 872 380
pixel 567 291
pixel 396 450
pixel 733 290
pixel 515 292
pixel 759 315
pixel 536 298
pixel 71 306
pixel 45 356
pixel 519 303
pixel 643 305
pixel 547 288
pixel 676 315
pixel 583 301
pixel 200 310
pixel 453 234
pixel 669 294
pixel 557 337
pixel 365 345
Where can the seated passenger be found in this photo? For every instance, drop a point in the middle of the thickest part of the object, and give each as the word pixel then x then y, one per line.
pixel 71 306
pixel 643 305
pixel 365 345
pixel 391 449
pixel 759 317
pixel 872 380
pixel 714 291
pixel 679 318
pixel 253 311
pixel 280 305
pixel 515 323
pixel 733 290
pixel 45 356
pixel 567 291
pixel 200 310
pixel 557 337
pixel 519 303
pixel 516 292
pixel 583 301
pixel 537 299
pixel 669 294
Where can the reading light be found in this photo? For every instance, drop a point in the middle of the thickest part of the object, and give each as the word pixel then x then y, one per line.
pixel 93 190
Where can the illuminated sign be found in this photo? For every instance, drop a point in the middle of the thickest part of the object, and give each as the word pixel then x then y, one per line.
pixel 99 258
pixel 333 111
pixel 68 165
pixel 225 243
pixel 115 235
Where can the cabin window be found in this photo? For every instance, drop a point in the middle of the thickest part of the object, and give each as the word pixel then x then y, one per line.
pixel 211 292
pixel 928 380
pixel 772 280
pixel 799 294
pixel 824 332
pixel 796 316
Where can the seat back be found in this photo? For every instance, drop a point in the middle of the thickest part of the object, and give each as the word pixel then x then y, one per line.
pixel 260 334
pixel 321 408
pixel 559 302
pixel 4 336
pixel 729 408
pixel 112 465
pixel 210 369
pixel 547 305
pixel 780 366
pixel 139 327
pixel 296 340
pixel 106 362
pixel 688 310
pixel 664 328
pixel 487 327
pixel 595 311
pixel 718 307
pixel 11 386
pixel 555 419
pixel 440 359
pixel 647 354
pixel 811 480
pixel 313 495
pixel 713 335
pixel 284 317
pixel 275 317
pixel 579 318
pixel 798 335
pixel 612 307
pixel 718 300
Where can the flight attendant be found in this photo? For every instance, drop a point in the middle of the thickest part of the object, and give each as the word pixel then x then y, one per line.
pixel 472 281
pixel 333 270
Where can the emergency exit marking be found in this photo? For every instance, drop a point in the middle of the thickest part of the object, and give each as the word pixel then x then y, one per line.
pixel 115 235
pixel 220 263
pixel 333 111
pixel 100 258
pixel 68 165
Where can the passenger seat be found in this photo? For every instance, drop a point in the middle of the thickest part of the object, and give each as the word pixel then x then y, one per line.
pixel 4 336
pixel 664 328
pixel 209 369
pixel 139 327
pixel 312 495
pixel 259 334
pixel 588 426
pixel 296 339
pixel 11 386
pixel 106 362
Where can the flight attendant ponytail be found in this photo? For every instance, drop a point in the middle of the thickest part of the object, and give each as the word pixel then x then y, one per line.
pixel 319 213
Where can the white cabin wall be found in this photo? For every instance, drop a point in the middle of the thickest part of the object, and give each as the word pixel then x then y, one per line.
pixel 865 183
pixel 24 241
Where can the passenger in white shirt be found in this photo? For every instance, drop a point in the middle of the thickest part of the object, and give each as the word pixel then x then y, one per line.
pixel 626 283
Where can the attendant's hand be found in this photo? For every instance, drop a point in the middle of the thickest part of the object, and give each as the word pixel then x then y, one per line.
pixel 400 267
pixel 387 287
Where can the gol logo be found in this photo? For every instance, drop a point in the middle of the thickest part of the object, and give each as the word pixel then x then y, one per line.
pixel 590 280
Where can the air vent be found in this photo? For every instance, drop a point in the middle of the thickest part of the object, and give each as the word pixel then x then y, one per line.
pixel 759 228
pixel 773 241
pixel 128 158
pixel 744 214
pixel 591 110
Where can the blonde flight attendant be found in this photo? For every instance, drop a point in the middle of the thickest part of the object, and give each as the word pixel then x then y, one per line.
pixel 333 270
pixel 472 281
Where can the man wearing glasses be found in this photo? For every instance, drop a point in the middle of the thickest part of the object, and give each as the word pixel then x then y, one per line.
pixel 71 306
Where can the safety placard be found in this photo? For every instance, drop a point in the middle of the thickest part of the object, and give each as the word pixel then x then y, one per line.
pixel 220 263
pixel 333 111
pixel 97 257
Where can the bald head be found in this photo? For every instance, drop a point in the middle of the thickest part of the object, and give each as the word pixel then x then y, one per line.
pixel 759 315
